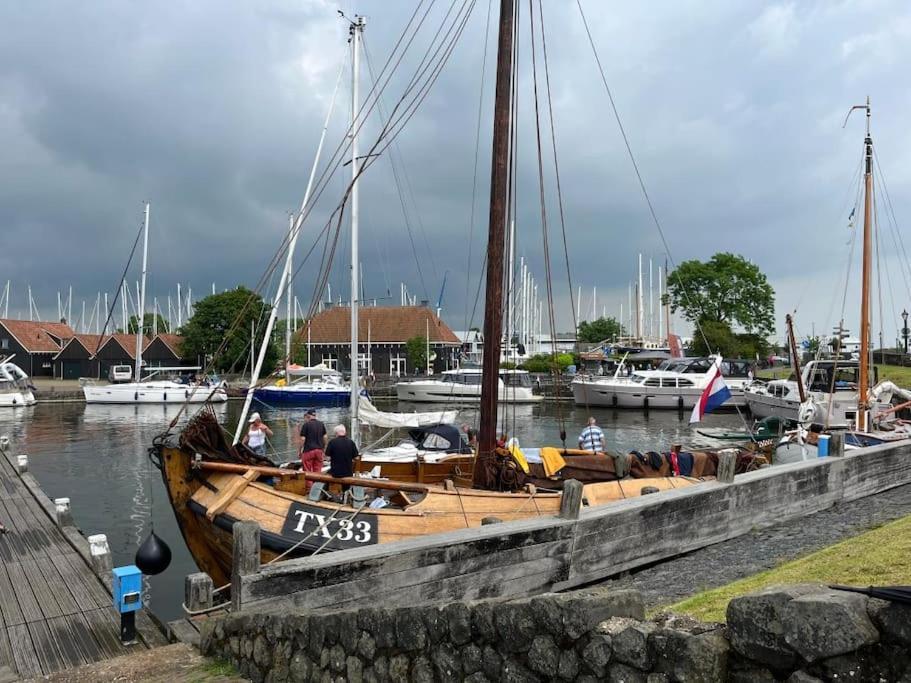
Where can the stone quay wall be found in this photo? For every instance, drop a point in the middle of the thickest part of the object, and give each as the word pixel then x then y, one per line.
pixel 800 633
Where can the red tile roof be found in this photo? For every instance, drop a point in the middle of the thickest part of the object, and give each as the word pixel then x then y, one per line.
pixel 33 336
pixel 173 342
pixel 385 324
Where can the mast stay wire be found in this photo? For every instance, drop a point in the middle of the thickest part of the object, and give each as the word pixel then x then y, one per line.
pixel 474 181
pixel 543 209
pixel 399 191
pixel 632 158
pixel 893 222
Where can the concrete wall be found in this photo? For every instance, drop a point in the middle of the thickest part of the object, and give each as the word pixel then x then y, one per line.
pixel 795 633
pixel 544 554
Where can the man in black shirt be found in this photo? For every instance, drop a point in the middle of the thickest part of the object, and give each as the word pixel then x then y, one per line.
pixel 342 453
pixel 313 441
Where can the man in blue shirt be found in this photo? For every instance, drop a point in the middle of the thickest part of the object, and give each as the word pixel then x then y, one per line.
pixel 592 438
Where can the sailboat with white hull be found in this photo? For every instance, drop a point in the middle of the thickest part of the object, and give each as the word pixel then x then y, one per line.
pixel 152 390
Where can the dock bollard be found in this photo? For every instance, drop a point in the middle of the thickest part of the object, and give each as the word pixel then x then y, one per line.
pixel 727 465
pixel 4 443
pixel 245 557
pixel 100 551
pixel 571 502
pixel 198 590
pixel 64 513
pixel 22 463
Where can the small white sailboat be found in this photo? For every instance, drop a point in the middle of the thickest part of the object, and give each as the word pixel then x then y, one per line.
pixel 153 389
pixel 464 386
pixel 15 391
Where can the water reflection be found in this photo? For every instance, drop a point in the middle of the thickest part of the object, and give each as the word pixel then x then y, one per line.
pixel 97 456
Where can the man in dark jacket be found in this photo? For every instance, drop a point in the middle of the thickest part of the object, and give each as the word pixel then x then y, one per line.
pixel 342 452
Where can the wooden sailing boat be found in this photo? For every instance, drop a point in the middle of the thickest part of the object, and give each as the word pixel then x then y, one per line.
pixel 213 484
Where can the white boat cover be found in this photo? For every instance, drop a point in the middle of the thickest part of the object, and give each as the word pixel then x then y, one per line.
pixel 367 412
pixel 319 370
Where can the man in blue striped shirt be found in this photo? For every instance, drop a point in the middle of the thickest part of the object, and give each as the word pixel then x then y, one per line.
pixel 592 438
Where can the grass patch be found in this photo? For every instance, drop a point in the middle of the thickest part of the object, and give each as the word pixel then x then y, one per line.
pixel 215 669
pixel 894 373
pixel 880 557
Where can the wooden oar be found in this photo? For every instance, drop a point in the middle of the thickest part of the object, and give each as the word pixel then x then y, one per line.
pixel 311 476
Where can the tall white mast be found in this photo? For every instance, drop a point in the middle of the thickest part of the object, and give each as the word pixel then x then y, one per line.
pixel 639 303
pixel 286 274
pixel 594 303
pixel 357 28
pixel 651 301
pixel 179 308
pixel 142 293
pixel 660 299
pixel 288 299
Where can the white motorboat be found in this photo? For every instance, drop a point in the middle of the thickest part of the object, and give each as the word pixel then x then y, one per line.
pixel 676 384
pixel 832 385
pixel 464 386
pixel 157 389
pixel 15 391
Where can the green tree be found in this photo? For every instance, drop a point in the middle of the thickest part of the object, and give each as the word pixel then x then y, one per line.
pixel 726 289
pixel 416 350
pixel 719 337
pixel 222 322
pixel 148 324
pixel 545 362
pixel 599 330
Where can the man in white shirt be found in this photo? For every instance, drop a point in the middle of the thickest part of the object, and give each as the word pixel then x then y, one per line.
pixel 592 438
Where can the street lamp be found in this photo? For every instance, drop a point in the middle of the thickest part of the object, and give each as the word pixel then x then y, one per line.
pixel 905 328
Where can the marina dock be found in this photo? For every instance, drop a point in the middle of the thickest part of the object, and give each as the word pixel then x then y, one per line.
pixel 55 611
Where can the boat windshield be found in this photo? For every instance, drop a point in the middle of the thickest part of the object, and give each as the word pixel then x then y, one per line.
pixel 827 377
pixel 516 379
pixel 460 378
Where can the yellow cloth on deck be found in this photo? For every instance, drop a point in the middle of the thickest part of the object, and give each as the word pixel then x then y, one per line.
pixel 518 456
pixel 280 383
pixel 552 460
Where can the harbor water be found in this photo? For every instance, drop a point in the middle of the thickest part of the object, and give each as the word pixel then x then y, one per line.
pixel 97 455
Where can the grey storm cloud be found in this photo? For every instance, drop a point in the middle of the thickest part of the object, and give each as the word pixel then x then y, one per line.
pixel 212 111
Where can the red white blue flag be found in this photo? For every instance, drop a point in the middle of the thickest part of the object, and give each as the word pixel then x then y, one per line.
pixel 715 393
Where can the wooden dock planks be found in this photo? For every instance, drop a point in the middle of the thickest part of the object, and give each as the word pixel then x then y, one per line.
pixel 55 613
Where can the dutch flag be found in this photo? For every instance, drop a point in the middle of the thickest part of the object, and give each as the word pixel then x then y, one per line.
pixel 716 392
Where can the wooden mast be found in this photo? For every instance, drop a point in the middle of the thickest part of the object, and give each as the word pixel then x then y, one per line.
pixel 493 302
pixel 866 277
pixel 795 359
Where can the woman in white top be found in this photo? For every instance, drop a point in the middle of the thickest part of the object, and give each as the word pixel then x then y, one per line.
pixel 255 439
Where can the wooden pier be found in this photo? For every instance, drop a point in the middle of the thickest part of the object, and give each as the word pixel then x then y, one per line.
pixel 55 612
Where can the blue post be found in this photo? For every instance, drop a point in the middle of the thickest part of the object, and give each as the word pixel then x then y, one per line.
pixel 127 593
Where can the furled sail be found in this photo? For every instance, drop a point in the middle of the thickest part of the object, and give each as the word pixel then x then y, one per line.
pixel 369 414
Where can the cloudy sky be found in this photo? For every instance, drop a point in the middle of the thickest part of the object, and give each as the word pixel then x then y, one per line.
pixel 212 111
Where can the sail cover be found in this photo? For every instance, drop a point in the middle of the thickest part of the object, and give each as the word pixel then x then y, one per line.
pixel 368 413
pixel 319 370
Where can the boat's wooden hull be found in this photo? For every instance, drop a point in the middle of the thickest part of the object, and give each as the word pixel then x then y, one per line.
pixel 208 503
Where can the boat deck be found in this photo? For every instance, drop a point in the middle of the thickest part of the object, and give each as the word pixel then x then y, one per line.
pixel 55 613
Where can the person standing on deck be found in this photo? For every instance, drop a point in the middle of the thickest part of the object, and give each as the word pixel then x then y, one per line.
pixel 313 440
pixel 592 438
pixel 342 453
pixel 255 439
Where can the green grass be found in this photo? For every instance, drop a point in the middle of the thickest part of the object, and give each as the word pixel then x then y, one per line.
pixel 896 373
pixel 880 557
pixel 214 669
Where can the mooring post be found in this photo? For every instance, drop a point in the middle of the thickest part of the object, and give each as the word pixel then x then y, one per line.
pixel 198 590
pixel 727 464
pixel 100 552
pixel 245 559
pixel 22 463
pixel 621 464
pixel 4 443
pixel 64 513
pixel 571 502
pixel 836 444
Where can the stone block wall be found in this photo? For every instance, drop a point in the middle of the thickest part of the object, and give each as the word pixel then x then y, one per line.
pixel 795 633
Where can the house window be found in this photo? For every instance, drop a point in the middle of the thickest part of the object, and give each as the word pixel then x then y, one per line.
pixel 330 360
pixel 397 365
pixel 364 363
pixel 4 343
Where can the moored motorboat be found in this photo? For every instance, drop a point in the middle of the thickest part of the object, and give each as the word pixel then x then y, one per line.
pixel 15 390
pixel 464 386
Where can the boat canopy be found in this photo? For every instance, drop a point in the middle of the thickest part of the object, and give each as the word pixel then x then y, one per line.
pixel 441 437
pixel 368 413
pixel 320 370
